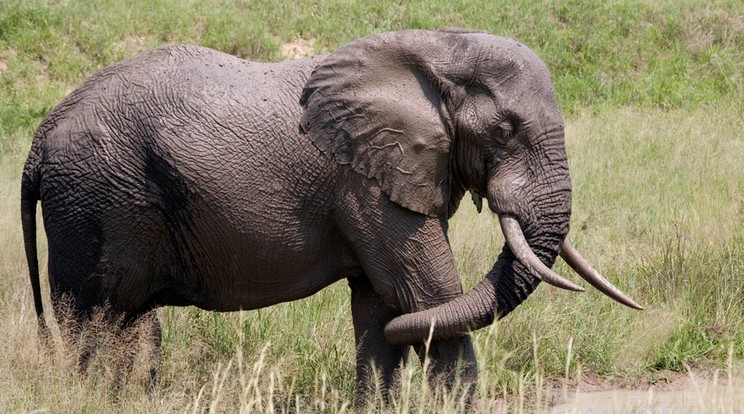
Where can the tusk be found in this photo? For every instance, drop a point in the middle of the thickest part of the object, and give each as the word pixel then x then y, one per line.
pixel 518 245
pixel 587 272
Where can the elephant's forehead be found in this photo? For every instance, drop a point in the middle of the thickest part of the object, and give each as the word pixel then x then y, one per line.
pixel 515 58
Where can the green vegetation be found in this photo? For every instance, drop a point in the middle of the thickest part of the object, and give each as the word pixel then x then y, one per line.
pixel 653 93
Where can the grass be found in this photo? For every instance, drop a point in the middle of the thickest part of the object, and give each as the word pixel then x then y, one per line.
pixel 652 93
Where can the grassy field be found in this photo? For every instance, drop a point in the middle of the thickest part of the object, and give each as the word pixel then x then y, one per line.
pixel 653 93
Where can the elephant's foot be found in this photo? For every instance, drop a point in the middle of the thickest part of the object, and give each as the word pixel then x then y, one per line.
pixel 451 364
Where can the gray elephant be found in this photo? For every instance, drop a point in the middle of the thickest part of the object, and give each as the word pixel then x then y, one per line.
pixel 186 176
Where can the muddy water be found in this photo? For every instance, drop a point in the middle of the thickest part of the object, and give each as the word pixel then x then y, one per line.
pixel 693 398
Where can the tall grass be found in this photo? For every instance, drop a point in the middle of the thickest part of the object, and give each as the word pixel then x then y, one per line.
pixel 653 94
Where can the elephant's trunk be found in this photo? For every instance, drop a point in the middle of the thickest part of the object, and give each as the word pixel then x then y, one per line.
pixel 507 284
pixel 478 308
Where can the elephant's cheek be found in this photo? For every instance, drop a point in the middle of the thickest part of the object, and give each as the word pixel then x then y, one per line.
pixel 505 194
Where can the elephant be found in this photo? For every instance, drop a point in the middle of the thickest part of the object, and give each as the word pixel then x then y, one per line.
pixel 187 176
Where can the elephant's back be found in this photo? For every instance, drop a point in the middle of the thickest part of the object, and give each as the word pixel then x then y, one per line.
pixel 208 114
pixel 191 80
pixel 218 119
pixel 211 79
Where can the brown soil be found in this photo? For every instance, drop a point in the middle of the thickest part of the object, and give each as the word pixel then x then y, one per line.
pixel 661 392
pixel 299 48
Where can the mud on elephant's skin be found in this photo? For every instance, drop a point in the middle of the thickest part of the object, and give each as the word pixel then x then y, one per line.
pixel 186 176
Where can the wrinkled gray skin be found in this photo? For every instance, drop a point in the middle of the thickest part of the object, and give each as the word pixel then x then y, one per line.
pixel 185 176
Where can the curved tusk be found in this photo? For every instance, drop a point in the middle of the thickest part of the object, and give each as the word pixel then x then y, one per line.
pixel 587 272
pixel 518 245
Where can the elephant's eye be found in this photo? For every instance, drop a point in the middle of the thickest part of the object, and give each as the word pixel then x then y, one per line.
pixel 507 130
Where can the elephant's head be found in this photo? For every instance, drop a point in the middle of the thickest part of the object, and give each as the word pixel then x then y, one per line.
pixel 431 115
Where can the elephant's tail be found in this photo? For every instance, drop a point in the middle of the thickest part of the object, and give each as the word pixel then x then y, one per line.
pixel 29 197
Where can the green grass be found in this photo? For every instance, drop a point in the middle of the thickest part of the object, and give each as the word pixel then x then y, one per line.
pixel 653 94
pixel 669 54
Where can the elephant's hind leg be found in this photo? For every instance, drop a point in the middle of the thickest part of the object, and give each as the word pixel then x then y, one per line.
pixel 141 335
pixel 111 344
pixel 378 362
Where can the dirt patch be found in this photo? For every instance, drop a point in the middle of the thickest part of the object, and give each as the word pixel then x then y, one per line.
pixel 131 45
pixel 298 48
pixel 662 380
pixel 664 392
pixel 3 65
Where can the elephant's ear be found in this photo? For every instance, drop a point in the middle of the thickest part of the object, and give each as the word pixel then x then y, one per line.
pixel 377 105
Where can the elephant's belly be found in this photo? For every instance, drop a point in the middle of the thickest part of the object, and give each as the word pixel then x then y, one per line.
pixel 267 246
pixel 257 289
pixel 263 274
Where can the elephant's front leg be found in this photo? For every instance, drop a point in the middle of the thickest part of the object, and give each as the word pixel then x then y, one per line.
pixel 408 267
pixel 449 361
pixel 378 362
